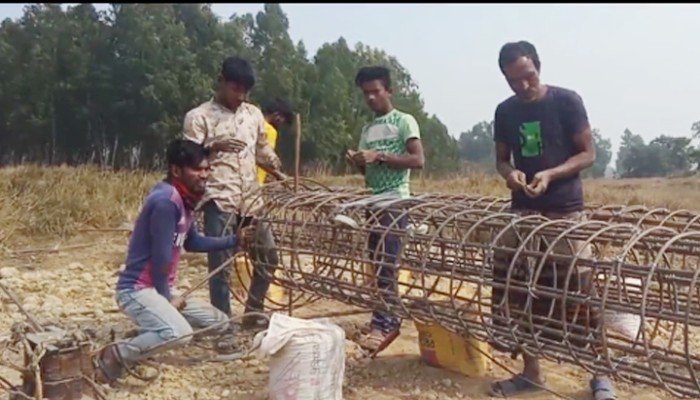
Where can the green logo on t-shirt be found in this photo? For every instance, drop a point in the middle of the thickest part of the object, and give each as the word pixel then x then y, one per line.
pixel 530 139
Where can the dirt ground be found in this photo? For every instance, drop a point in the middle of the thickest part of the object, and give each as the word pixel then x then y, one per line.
pixel 75 287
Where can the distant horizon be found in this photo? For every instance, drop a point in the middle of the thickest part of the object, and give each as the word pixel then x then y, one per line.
pixel 633 65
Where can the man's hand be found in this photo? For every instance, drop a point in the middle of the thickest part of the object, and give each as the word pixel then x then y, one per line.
pixel 279 175
pixel 178 302
pixel 364 157
pixel 246 236
pixel 276 173
pixel 540 183
pixel 516 180
pixel 276 164
pixel 228 144
pixel 350 157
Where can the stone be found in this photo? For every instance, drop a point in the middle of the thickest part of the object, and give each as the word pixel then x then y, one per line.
pixel 8 272
pixel 76 265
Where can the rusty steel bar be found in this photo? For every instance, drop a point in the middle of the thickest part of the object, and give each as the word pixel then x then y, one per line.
pixel 680 220
pixel 616 292
pixel 297 150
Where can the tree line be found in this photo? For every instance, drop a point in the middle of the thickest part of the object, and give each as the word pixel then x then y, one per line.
pixel 663 156
pixel 112 87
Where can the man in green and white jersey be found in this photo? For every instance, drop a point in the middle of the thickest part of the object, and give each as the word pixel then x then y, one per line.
pixel 390 146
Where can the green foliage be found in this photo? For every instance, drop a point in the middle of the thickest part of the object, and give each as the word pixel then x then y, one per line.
pixel 603 154
pixel 476 145
pixel 111 88
pixel 663 156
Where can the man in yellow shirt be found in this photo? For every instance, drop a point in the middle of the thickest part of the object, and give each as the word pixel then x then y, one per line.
pixel 277 113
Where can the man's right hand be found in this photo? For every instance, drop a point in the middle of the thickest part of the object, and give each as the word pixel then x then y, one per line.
pixel 516 180
pixel 349 157
pixel 178 302
pixel 280 176
pixel 228 144
pixel 246 236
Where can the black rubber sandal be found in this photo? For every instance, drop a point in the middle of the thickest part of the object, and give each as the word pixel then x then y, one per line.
pixel 514 386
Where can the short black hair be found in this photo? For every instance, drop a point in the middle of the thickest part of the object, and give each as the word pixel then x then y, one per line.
pixel 281 106
pixel 186 153
pixel 368 74
pixel 238 70
pixel 513 50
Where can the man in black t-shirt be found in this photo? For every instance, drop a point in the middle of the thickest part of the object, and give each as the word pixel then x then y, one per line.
pixel 545 130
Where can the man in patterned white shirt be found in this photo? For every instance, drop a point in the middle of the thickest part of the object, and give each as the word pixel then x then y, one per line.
pixel 234 131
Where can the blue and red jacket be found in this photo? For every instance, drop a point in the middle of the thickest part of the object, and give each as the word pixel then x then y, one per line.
pixel 162 229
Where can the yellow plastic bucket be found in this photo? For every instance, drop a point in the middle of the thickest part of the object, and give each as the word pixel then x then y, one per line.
pixel 444 349
pixel 242 277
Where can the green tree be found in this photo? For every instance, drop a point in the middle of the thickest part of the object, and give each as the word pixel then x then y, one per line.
pixel 603 150
pixel 12 145
pixel 663 156
pixel 441 149
pixel 155 76
pixel 676 153
pixel 629 154
pixel 334 123
pixel 282 68
pixel 113 87
pixel 32 114
pixel 476 145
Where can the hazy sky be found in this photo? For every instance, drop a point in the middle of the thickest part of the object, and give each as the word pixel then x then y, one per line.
pixel 635 66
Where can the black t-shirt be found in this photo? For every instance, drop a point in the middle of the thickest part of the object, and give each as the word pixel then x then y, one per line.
pixel 541 135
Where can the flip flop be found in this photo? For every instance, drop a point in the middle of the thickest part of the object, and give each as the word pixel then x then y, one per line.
pixel 345 220
pixel 516 385
pixel 227 344
pixel 254 323
pixel 602 389
pixel 375 343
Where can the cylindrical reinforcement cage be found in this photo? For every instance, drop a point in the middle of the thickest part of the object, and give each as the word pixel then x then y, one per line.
pixel 615 290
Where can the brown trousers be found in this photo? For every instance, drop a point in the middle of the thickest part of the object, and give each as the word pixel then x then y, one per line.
pixel 527 310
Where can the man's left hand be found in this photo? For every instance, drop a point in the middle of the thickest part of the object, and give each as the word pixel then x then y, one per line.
pixel 540 183
pixel 365 157
pixel 350 157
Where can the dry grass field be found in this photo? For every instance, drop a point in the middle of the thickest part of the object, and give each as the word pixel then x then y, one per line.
pixel 60 258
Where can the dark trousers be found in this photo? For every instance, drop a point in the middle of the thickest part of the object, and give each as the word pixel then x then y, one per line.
pixel 384 253
pixel 262 251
